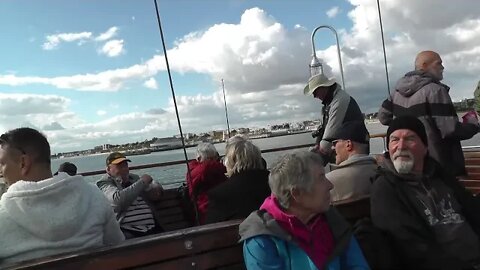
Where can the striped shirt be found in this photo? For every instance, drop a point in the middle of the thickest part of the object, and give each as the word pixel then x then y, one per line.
pixel 138 217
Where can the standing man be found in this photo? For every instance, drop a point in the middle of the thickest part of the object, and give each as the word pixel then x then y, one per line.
pixel 43 215
pixel 421 94
pixel 355 169
pixel 130 196
pixel 338 108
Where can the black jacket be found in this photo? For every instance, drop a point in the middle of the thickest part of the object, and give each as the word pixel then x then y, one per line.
pixel 395 212
pixel 240 195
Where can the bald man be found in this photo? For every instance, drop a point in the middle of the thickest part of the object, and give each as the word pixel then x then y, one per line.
pixel 421 94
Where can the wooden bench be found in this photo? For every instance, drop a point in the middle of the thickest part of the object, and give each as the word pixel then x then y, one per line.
pixel 172 212
pixel 472 165
pixel 213 246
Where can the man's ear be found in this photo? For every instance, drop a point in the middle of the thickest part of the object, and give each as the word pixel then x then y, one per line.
pixel 25 164
pixel 107 169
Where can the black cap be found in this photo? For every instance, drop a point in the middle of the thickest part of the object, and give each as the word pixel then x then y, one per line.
pixel 352 130
pixel 410 123
pixel 116 157
pixel 67 167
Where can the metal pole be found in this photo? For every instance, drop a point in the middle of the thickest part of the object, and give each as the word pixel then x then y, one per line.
pixel 175 104
pixel 226 111
pixel 383 45
pixel 338 49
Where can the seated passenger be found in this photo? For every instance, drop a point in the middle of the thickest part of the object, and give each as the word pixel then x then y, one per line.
pixel 206 172
pixel 295 227
pixel 433 221
pixel 353 175
pixel 246 187
pixel 41 214
pixel 130 196
pixel 68 168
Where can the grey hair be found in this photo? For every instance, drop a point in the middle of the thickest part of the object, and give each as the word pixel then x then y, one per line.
pixel 241 155
pixel 206 151
pixel 293 171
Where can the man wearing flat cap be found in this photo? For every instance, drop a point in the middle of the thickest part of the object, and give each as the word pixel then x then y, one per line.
pixel 130 196
pixel 338 108
pixel 355 169
pixel 433 221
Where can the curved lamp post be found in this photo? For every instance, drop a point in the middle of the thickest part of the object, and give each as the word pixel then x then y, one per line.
pixel 315 65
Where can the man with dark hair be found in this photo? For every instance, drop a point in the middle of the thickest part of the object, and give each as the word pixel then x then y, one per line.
pixel 433 221
pixel 41 214
pixel 67 167
pixel 354 171
pixel 421 94
pixel 131 197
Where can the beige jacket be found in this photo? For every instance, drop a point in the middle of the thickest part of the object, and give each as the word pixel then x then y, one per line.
pixel 353 177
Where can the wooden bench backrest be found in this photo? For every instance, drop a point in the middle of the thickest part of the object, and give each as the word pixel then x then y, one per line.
pixel 172 212
pixel 213 246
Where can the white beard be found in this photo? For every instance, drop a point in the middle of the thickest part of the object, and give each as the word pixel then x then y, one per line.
pixel 403 166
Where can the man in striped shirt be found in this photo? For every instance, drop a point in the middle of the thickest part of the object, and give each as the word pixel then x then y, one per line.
pixel 130 196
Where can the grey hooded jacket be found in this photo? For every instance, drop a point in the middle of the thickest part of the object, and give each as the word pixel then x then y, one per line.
pixel 420 95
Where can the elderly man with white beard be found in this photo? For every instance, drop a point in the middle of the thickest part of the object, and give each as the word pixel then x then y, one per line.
pixel 432 220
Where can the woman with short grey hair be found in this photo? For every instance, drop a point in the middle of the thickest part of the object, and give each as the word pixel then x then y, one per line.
pixel 206 151
pixel 206 172
pixel 247 186
pixel 295 227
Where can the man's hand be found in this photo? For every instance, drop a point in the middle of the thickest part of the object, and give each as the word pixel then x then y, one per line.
pixel 147 179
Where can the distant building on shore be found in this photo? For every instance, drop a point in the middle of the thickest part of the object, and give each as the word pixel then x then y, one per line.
pixel 166 143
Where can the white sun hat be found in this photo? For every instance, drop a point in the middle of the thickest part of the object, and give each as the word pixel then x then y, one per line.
pixel 316 81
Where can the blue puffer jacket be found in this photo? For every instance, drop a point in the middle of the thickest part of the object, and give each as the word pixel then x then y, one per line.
pixel 268 246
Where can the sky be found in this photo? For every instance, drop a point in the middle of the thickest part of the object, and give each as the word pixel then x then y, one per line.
pixel 91 72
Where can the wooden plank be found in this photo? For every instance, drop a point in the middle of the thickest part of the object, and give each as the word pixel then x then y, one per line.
pixel 175 226
pixel 170 194
pixel 470 183
pixel 471 154
pixel 472 169
pixel 209 260
pixel 239 266
pixel 172 219
pixel 167 204
pixel 472 162
pixel 145 250
pixel 473 176
pixel 170 211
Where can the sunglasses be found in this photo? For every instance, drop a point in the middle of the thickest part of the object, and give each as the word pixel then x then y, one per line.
pixel 4 139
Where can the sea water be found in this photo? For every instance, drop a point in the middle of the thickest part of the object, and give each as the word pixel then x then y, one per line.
pixel 176 173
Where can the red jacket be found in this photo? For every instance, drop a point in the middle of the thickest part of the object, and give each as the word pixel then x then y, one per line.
pixel 205 175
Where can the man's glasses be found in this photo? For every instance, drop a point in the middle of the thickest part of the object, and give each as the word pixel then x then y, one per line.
pixel 4 139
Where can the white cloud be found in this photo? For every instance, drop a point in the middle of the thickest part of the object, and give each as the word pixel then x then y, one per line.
pixel 101 112
pixel 151 83
pixel 111 32
pixel 265 65
pixel 52 41
pixel 113 48
pixel 333 12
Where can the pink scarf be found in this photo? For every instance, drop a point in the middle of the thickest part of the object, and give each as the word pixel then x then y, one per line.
pixel 316 238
